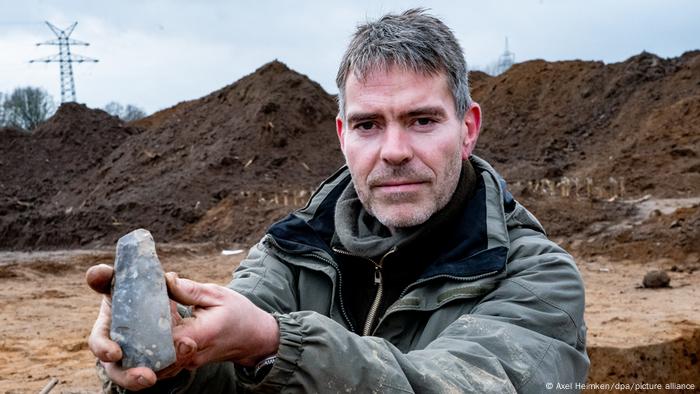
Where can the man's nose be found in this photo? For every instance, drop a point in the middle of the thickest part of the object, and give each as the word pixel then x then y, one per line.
pixel 396 146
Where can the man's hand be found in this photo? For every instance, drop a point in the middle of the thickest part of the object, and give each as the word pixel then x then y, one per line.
pixel 225 327
pixel 99 278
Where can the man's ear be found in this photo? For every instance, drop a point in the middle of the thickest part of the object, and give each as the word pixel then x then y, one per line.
pixel 472 122
pixel 339 130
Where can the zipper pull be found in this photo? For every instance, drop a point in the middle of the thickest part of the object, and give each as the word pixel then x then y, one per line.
pixel 377 276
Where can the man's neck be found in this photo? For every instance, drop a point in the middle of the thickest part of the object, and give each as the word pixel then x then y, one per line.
pixel 361 234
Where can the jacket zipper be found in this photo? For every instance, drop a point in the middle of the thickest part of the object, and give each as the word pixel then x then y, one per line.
pixel 377 299
pixel 377 277
pixel 378 281
pixel 337 270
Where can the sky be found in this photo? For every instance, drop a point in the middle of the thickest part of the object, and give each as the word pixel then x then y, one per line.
pixel 154 54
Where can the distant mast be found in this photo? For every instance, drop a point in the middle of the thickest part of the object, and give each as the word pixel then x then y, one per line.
pixel 505 61
pixel 65 58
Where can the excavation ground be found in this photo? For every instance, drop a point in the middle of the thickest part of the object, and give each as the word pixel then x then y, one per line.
pixel 46 312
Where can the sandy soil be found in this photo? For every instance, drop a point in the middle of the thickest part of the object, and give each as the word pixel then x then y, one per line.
pixel 638 335
pixel 46 312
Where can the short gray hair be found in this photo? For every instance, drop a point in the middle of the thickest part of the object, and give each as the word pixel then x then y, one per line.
pixel 414 41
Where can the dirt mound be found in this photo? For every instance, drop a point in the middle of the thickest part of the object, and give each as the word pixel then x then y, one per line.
pixel 673 365
pixel 224 166
pixel 633 123
pixel 8 132
pixel 674 236
pixel 76 139
pixel 38 169
pixel 268 132
pixel 572 137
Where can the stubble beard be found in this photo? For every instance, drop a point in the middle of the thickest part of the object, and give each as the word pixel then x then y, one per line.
pixel 423 207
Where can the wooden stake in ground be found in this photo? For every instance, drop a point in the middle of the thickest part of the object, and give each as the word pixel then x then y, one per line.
pixel 50 385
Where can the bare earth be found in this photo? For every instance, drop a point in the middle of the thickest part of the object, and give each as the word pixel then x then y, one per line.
pixel 605 155
pixel 46 313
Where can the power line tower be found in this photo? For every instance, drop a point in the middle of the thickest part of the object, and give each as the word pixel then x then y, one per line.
pixel 506 60
pixel 65 58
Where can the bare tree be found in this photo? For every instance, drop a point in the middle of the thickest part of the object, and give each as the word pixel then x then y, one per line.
pixel 132 112
pixel 127 114
pixel 3 117
pixel 114 108
pixel 27 107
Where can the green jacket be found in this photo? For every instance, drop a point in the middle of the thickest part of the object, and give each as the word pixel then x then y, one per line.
pixel 500 314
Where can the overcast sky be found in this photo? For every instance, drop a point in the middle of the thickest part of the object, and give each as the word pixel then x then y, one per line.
pixel 154 54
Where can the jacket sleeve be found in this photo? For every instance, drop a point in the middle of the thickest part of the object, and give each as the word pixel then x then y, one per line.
pixel 537 312
pixel 526 333
pixel 317 354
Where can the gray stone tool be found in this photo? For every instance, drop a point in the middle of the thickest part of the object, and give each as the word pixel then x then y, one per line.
pixel 141 322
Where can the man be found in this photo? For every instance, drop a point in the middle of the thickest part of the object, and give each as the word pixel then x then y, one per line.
pixel 411 270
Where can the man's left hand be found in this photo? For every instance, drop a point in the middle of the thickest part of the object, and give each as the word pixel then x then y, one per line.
pixel 225 325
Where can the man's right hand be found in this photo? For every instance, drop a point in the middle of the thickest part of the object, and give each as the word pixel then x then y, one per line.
pixel 99 278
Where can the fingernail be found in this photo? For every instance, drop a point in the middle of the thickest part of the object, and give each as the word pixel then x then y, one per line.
pixel 184 348
pixel 142 381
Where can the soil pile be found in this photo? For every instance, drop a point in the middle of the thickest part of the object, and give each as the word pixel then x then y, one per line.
pixel 36 166
pixel 224 166
pixel 674 236
pixel 574 138
pixel 269 133
pixel 37 170
pixel 631 125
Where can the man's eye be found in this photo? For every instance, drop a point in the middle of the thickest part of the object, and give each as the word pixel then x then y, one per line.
pixel 365 126
pixel 423 121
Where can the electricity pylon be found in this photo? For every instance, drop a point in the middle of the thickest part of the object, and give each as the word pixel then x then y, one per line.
pixel 506 60
pixel 65 58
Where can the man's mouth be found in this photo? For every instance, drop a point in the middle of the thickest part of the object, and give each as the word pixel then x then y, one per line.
pixel 397 186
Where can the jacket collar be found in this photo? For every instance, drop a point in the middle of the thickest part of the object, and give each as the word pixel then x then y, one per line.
pixel 478 243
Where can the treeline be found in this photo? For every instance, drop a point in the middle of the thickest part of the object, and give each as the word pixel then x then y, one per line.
pixel 27 107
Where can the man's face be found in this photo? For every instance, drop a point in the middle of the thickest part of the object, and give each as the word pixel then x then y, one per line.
pixel 404 144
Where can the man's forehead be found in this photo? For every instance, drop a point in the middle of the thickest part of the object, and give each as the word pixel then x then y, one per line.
pixel 362 75
pixel 403 89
